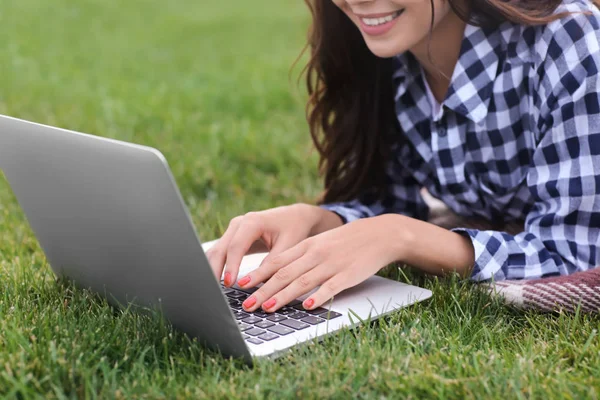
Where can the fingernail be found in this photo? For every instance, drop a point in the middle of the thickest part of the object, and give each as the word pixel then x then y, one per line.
pixel 309 303
pixel 250 301
pixel 227 279
pixel 244 281
pixel 269 303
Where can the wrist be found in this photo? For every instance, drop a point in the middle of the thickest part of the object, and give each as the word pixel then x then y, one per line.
pixel 320 219
pixel 397 236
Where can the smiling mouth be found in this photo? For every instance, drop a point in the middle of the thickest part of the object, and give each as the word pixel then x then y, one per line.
pixel 381 20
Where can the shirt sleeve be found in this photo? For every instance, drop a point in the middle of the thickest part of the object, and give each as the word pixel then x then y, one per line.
pixel 562 231
pixel 401 195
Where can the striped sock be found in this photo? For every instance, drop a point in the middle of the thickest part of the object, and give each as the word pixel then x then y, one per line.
pixel 553 294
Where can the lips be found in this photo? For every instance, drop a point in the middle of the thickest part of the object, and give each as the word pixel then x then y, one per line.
pixel 376 21
pixel 379 24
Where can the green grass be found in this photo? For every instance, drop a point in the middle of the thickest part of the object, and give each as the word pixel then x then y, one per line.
pixel 208 84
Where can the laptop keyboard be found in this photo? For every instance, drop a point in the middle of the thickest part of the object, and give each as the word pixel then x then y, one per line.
pixel 259 327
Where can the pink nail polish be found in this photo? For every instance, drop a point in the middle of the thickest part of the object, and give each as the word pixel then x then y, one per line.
pixel 269 304
pixel 250 301
pixel 309 303
pixel 227 279
pixel 244 281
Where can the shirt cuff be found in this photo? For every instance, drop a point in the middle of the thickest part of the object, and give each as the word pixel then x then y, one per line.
pixel 491 254
pixel 347 214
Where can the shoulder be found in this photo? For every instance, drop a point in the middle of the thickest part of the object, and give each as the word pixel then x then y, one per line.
pixel 573 37
pixel 569 39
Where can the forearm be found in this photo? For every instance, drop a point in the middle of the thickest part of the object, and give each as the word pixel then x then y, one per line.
pixel 426 246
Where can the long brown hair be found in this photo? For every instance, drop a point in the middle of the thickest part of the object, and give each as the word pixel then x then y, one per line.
pixel 351 109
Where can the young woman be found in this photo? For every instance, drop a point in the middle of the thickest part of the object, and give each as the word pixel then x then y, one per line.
pixel 491 105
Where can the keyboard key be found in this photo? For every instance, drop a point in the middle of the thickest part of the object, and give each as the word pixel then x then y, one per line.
pixel 249 290
pixel 264 324
pixel 293 303
pixel 252 319
pixel 268 336
pixel 244 327
pixel 254 341
pixel 276 318
pixel 285 311
pixel 280 330
pixel 313 320
pixel 234 294
pixel 260 314
pixel 330 315
pixel 298 315
pixel 317 311
pixel 237 307
pixel 254 332
pixel 240 315
pixel 225 290
pixel 292 323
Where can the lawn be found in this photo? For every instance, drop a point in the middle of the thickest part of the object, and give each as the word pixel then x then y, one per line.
pixel 209 84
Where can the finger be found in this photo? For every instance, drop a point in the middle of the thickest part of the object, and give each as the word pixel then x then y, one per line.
pixel 302 285
pixel 248 232
pixel 217 254
pixel 271 264
pixel 283 270
pixel 330 288
pixel 282 244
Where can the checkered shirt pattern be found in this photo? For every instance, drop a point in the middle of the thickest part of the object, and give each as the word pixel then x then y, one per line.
pixel 518 140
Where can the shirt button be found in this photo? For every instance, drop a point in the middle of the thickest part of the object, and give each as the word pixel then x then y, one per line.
pixel 441 130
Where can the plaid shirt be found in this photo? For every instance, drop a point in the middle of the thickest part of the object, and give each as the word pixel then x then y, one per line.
pixel 518 139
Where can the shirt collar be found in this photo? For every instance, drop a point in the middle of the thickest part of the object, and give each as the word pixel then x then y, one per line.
pixel 472 83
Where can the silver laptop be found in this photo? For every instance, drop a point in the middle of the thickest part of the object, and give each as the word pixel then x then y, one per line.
pixel 109 216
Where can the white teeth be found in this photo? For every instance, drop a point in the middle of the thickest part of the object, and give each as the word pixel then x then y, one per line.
pixel 382 20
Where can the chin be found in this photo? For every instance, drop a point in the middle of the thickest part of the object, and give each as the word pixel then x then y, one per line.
pixel 382 50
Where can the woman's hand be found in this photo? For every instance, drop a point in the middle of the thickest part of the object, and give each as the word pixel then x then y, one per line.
pixel 274 230
pixel 335 260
